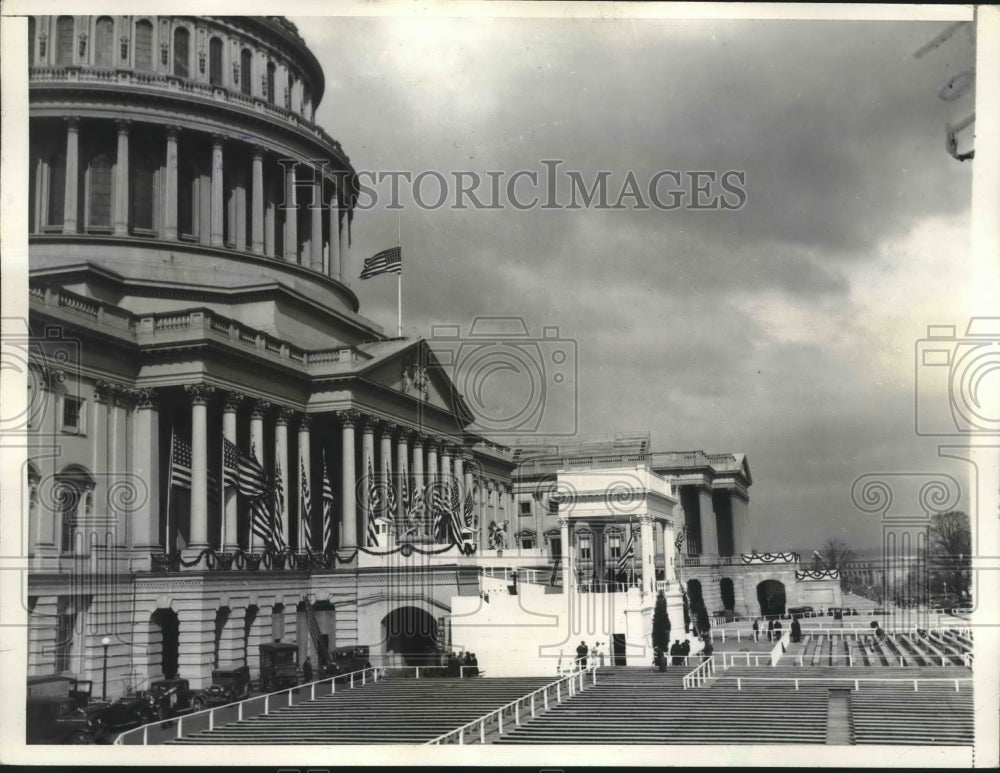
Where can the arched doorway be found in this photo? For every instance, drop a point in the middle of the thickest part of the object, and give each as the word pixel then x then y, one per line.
pixel 696 602
pixel 728 593
pixel 221 619
pixel 771 597
pixel 411 633
pixel 164 629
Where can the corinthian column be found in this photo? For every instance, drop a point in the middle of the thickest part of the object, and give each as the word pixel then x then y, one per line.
pixel 121 181
pixel 348 480
pixel 200 395
pixel 230 503
pixel 170 189
pixel 257 201
pixel 72 174
pixel 217 193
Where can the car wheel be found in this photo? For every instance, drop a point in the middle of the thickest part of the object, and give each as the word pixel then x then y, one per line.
pixel 162 712
pixel 81 737
pixel 198 704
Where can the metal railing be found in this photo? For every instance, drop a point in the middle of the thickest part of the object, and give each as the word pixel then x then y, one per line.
pixel 700 675
pixel 269 702
pixel 779 648
pixel 856 681
pixel 904 660
pixel 573 683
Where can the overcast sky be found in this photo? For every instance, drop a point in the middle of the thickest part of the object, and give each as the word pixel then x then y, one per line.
pixel 784 329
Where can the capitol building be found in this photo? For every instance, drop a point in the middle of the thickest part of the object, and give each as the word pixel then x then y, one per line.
pixel 196 342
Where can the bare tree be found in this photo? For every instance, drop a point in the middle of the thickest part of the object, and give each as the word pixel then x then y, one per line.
pixel 950 553
pixel 833 555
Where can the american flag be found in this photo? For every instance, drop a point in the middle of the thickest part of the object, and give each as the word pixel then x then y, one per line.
pixel 373 506
pixel 305 503
pixel 453 520
pixel 180 462
pixel 388 261
pixel 279 506
pixel 468 509
pixel 244 472
pixel 438 508
pixel 327 508
pixel 390 493
pixel 629 553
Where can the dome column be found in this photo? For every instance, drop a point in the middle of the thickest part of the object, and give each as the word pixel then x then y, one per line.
pixel 291 214
pixel 333 267
pixel 348 480
pixel 72 175
pixel 121 181
pixel 316 212
pixel 216 210
pixel 257 202
pixel 170 190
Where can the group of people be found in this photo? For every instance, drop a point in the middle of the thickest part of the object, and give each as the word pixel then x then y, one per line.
pixel 460 665
pixel 773 629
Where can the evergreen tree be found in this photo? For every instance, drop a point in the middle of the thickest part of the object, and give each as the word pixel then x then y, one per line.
pixel 661 623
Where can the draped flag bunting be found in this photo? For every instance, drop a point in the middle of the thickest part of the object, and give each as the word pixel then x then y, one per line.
pixel 305 503
pixel 327 509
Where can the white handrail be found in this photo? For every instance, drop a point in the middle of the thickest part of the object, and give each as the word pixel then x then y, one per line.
pixel 701 674
pixel 574 683
pixel 143 730
pixel 851 679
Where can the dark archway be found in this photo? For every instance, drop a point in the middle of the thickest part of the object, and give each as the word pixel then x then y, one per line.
pixel 221 619
pixel 728 593
pixel 411 633
pixel 164 635
pixel 771 597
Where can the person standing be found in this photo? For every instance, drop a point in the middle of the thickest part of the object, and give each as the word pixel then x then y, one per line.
pixel 756 630
pixel 796 631
pixel 307 671
pixel 581 655
pixel 770 630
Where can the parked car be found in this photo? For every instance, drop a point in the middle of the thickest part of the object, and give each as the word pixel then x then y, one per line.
pixel 57 714
pixel 278 666
pixel 347 660
pixel 125 713
pixel 169 697
pixel 228 686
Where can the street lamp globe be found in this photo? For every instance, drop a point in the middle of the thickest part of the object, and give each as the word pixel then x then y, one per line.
pixel 106 641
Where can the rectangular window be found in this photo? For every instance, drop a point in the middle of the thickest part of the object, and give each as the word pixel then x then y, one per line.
pixel 57 190
pixel 144 46
pixel 615 547
pixel 524 508
pixel 142 190
pixel 72 415
pixel 553 507
pixel 585 554
pixel 527 543
pixel 65 623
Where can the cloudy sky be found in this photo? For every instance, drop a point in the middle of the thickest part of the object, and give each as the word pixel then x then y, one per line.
pixel 785 328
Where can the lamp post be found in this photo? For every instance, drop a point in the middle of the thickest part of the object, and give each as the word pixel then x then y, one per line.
pixel 104 689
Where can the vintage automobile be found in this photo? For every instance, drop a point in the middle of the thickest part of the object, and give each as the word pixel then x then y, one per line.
pixel 228 686
pixel 57 712
pixel 168 697
pixel 125 713
pixel 278 666
pixel 347 660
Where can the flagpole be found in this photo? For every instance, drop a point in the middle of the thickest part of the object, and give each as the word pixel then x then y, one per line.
pixel 170 485
pixel 399 278
pixel 222 497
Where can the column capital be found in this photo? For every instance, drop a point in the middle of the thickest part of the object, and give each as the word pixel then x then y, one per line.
pixel 259 408
pixel 199 394
pixel 233 401
pixel 417 438
pixel 405 434
pixel 123 397
pixel 72 122
pixel 350 418
pixel 433 444
pixel 564 522
pixel 218 140
pixel 103 391
pixel 305 421
pixel 703 488
pixel 123 125
pixel 146 399
pixel 448 448
pixel 645 518
pixel 285 415
pixel 385 427
pixel 172 130
pixel 257 153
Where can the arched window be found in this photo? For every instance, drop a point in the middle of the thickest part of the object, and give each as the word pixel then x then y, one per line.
pixel 215 61
pixel 57 189
pixel 99 173
pixel 74 497
pixel 144 46
pixel 288 92
pixel 182 39
pixel 269 90
pixel 246 58
pixel 104 43
pixel 64 40
pixel 31 40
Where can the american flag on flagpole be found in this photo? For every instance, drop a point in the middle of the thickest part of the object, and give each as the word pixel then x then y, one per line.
pixel 388 261
pixel 629 552
pixel 390 494
pixel 244 472
pixel 454 515
pixel 261 518
pixel 327 509
pixel 279 506
pixel 438 507
pixel 180 462
pixel 373 506
pixel 305 503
